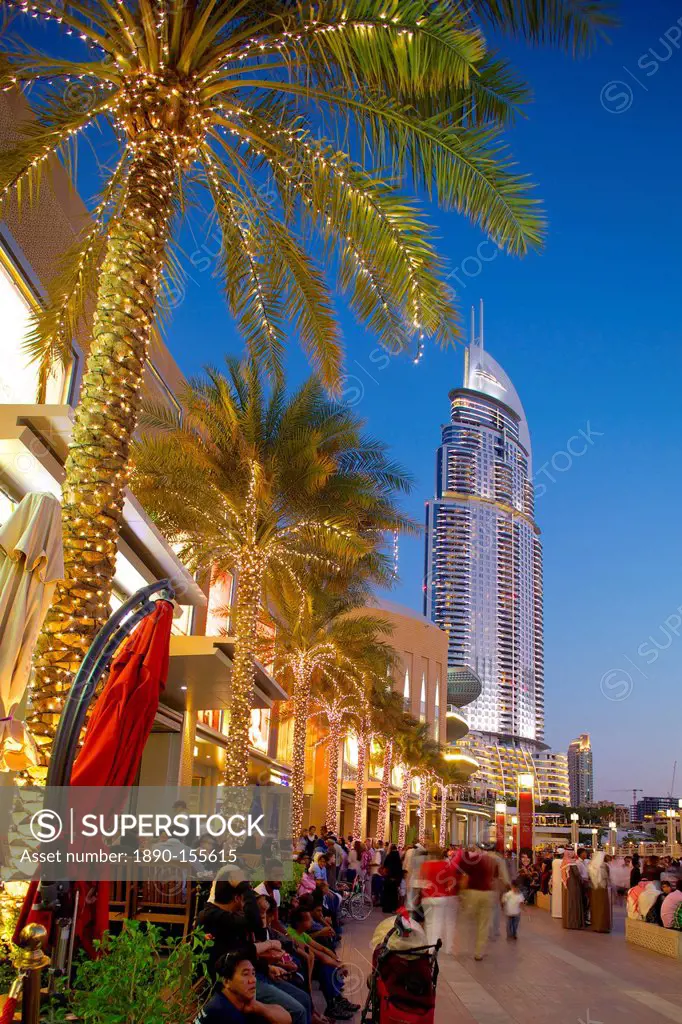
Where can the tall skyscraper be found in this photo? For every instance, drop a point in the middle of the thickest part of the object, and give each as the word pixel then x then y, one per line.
pixel 580 776
pixel 483 565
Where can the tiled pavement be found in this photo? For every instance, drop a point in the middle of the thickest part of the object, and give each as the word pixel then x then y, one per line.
pixel 549 976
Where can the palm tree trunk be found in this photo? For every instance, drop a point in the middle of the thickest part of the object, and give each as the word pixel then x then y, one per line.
pixel 383 794
pixel 422 809
pixel 97 461
pixel 404 803
pixel 247 610
pixel 301 698
pixel 358 822
pixel 332 821
pixel 442 836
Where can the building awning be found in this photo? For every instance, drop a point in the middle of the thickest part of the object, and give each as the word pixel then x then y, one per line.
pixel 200 676
pixel 34 440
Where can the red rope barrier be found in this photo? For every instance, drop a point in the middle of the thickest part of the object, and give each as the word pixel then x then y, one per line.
pixel 7 1015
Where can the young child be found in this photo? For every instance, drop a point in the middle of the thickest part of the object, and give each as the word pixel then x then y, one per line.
pixel 512 901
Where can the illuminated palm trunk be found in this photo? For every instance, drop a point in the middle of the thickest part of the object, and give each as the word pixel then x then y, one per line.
pixel 442 835
pixel 97 461
pixel 247 611
pixel 301 700
pixel 404 804
pixel 335 720
pixel 422 809
pixel 383 794
pixel 358 823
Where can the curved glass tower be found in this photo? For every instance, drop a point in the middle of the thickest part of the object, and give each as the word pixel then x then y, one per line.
pixel 483 572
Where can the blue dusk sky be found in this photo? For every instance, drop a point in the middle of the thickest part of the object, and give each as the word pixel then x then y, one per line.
pixel 590 333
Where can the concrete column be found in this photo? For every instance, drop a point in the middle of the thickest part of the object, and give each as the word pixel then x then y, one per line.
pixel 189 733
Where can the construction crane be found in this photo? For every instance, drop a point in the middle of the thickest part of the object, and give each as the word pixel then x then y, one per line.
pixel 672 784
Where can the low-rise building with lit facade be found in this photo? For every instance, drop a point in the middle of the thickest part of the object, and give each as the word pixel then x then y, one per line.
pixel 551 773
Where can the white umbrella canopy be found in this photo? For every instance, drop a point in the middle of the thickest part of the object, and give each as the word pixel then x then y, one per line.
pixel 31 564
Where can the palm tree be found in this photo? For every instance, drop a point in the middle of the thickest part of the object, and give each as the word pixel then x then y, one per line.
pixel 215 101
pixel 389 712
pixel 265 486
pixel 414 743
pixel 336 703
pixel 317 631
pixel 368 720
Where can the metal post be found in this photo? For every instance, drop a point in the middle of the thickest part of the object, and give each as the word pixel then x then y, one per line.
pixel 30 960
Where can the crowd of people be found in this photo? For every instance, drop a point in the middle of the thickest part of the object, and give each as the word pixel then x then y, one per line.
pixel 432 881
pixel 266 955
pixel 587 884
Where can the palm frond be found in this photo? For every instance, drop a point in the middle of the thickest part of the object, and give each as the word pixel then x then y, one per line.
pixel 574 25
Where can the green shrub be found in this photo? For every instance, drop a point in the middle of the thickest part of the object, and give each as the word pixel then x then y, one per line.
pixel 140 976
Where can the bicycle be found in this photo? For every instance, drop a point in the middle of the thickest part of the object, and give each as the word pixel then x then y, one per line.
pixel 355 903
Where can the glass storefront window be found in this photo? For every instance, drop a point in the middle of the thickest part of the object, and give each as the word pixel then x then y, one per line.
pixel 19 377
pixel 259 730
pixel 219 605
pixel 212 719
pixel 350 750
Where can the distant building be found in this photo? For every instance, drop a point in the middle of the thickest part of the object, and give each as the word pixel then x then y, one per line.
pixel 552 777
pixel 649 805
pixel 580 775
pixel 483 571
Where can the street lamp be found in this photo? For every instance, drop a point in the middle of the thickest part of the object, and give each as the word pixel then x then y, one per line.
pixel 613 837
pixel 671 815
pixel 525 788
pixel 594 838
pixel 574 828
pixel 500 825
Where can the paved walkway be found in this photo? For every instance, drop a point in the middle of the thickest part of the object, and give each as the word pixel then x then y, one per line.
pixel 549 976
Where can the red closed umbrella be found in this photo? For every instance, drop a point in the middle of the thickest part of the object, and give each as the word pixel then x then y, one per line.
pixel 124 714
pixel 112 749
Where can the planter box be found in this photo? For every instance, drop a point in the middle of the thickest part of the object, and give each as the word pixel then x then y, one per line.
pixel 665 941
pixel 543 901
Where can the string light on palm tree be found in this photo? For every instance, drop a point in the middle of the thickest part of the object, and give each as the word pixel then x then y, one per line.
pixel 214 97
pixel 243 481
pixel 442 832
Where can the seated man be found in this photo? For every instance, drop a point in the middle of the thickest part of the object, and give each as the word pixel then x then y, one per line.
pixel 234 999
pixel 327 968
pixel 670 908
pixel 654 913
pixel 226 921
pixel 321 928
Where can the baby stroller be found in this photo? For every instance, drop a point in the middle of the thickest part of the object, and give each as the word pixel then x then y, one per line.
pixel 402 986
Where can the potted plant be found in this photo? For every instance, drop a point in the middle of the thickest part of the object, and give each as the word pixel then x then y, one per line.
pixel 8 971
pixel 140 975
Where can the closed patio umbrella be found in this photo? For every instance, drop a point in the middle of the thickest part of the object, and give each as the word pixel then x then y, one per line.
pixel 31 564
pixel 124 714
pixel 114 742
